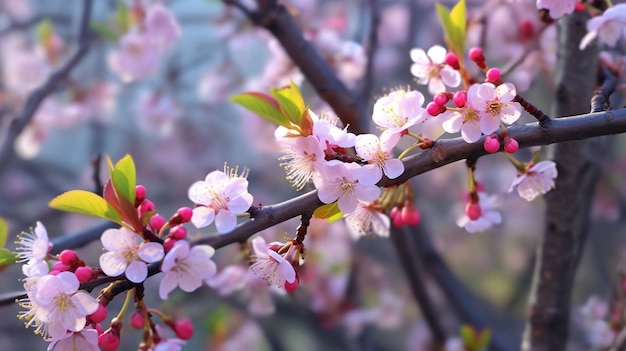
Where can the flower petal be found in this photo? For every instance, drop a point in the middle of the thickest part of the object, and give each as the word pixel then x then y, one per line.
pixel 137 272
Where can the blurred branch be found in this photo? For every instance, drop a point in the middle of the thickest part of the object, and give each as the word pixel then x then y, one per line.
pixel 465 305
pixel 442 153
pixel 568 205
pixel 275 18
pixel 371 46
pixel 414 270
pixel 38 95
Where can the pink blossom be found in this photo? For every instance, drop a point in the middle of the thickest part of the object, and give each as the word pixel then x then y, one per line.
pixel 137 58
pixel 537 180
pixel 304 157
pixel 128 254
pixel 221 198
pixel 399 110
pixel 161 25
pixel 157 113
pixel 378 153
pixel 84 340
pixel 466 119
pixel 557 8
pixel 271 266
pixel 33 245
pixel 489 215
pixel 366 219
pixel 60 305
pixel 430 69
pixel 347 183
pixel 186 267
pixel 609 27
pixel 495 104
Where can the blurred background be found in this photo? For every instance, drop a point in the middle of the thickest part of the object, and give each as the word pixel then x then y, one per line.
pixel 178 124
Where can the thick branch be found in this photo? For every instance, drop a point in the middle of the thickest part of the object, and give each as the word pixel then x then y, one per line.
pixel 38 95
pixel 275 18
pixel 568 205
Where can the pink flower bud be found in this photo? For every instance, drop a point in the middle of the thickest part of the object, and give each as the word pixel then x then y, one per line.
pixel 459 98
pixel 493 75
pixel 83 274
pixel 291 287
pixel 109 340
pixel 491 144
pixel 396 217
pixel 136 320
pixel 140 194
pixel 441 99
pixel 156 222
pixel 476 55
pixel 69 257
pixel 473 211
pixel 183 328
pixel 452 60
pixel 526 30
pixel 433 109
pixel 510 145
pixel 410 215
pixel 146 206
pixel 168 244
pixel 99 315
pixel 185 214
pixel 61 267
pixel 178 232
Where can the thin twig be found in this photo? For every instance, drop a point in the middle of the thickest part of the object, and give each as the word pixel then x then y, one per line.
pixel 38 95
pixel 275 18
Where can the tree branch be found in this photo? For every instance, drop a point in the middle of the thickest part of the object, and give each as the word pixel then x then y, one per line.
pixel 275 18
pixel 568 205
pixel 38 95
pixel 442 153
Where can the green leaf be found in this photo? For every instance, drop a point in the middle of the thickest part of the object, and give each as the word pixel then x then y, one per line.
pixel 124 178
pixel 6 257
pixel 454 26
pixel 327 211
pixel 123 17
pixel 290 101
pixel 104 30
pixel 467 335
pixel 4 232
pixel 483 339
pixel 263 105
pixel 87 203
pixel 123 207
pixel 44 32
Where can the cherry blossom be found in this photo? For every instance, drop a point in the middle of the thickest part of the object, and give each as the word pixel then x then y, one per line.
pixel 489 215
pixel 60 305
pixel 557 8
pixel 161 24
pixel 157 113
pixel 537 180
pixel 84 340
pixel 366 219
pixel 33 246
pixel 138 57
pixel 496 104
pixel 430 69
pixel 399 110
pixel 378 153
pixel 304 157
pixel 347 183
pixel 219 197
pixel 466 119
pixel 270 266
pixel 609 27
pixel 128 254
pixel 186 267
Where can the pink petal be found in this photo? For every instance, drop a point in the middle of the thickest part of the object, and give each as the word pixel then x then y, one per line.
pixel 202 216
pixel 151 252
pixel 393 168
pixel 168 283
pixel 225 221
pixel 137 272
pixel 112 264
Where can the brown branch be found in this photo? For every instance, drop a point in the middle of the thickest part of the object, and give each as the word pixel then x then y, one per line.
pixel 371 47
pixel 275 18
pixel 415 272
pixel 568 205
pixel 442 153
pixel 38 95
